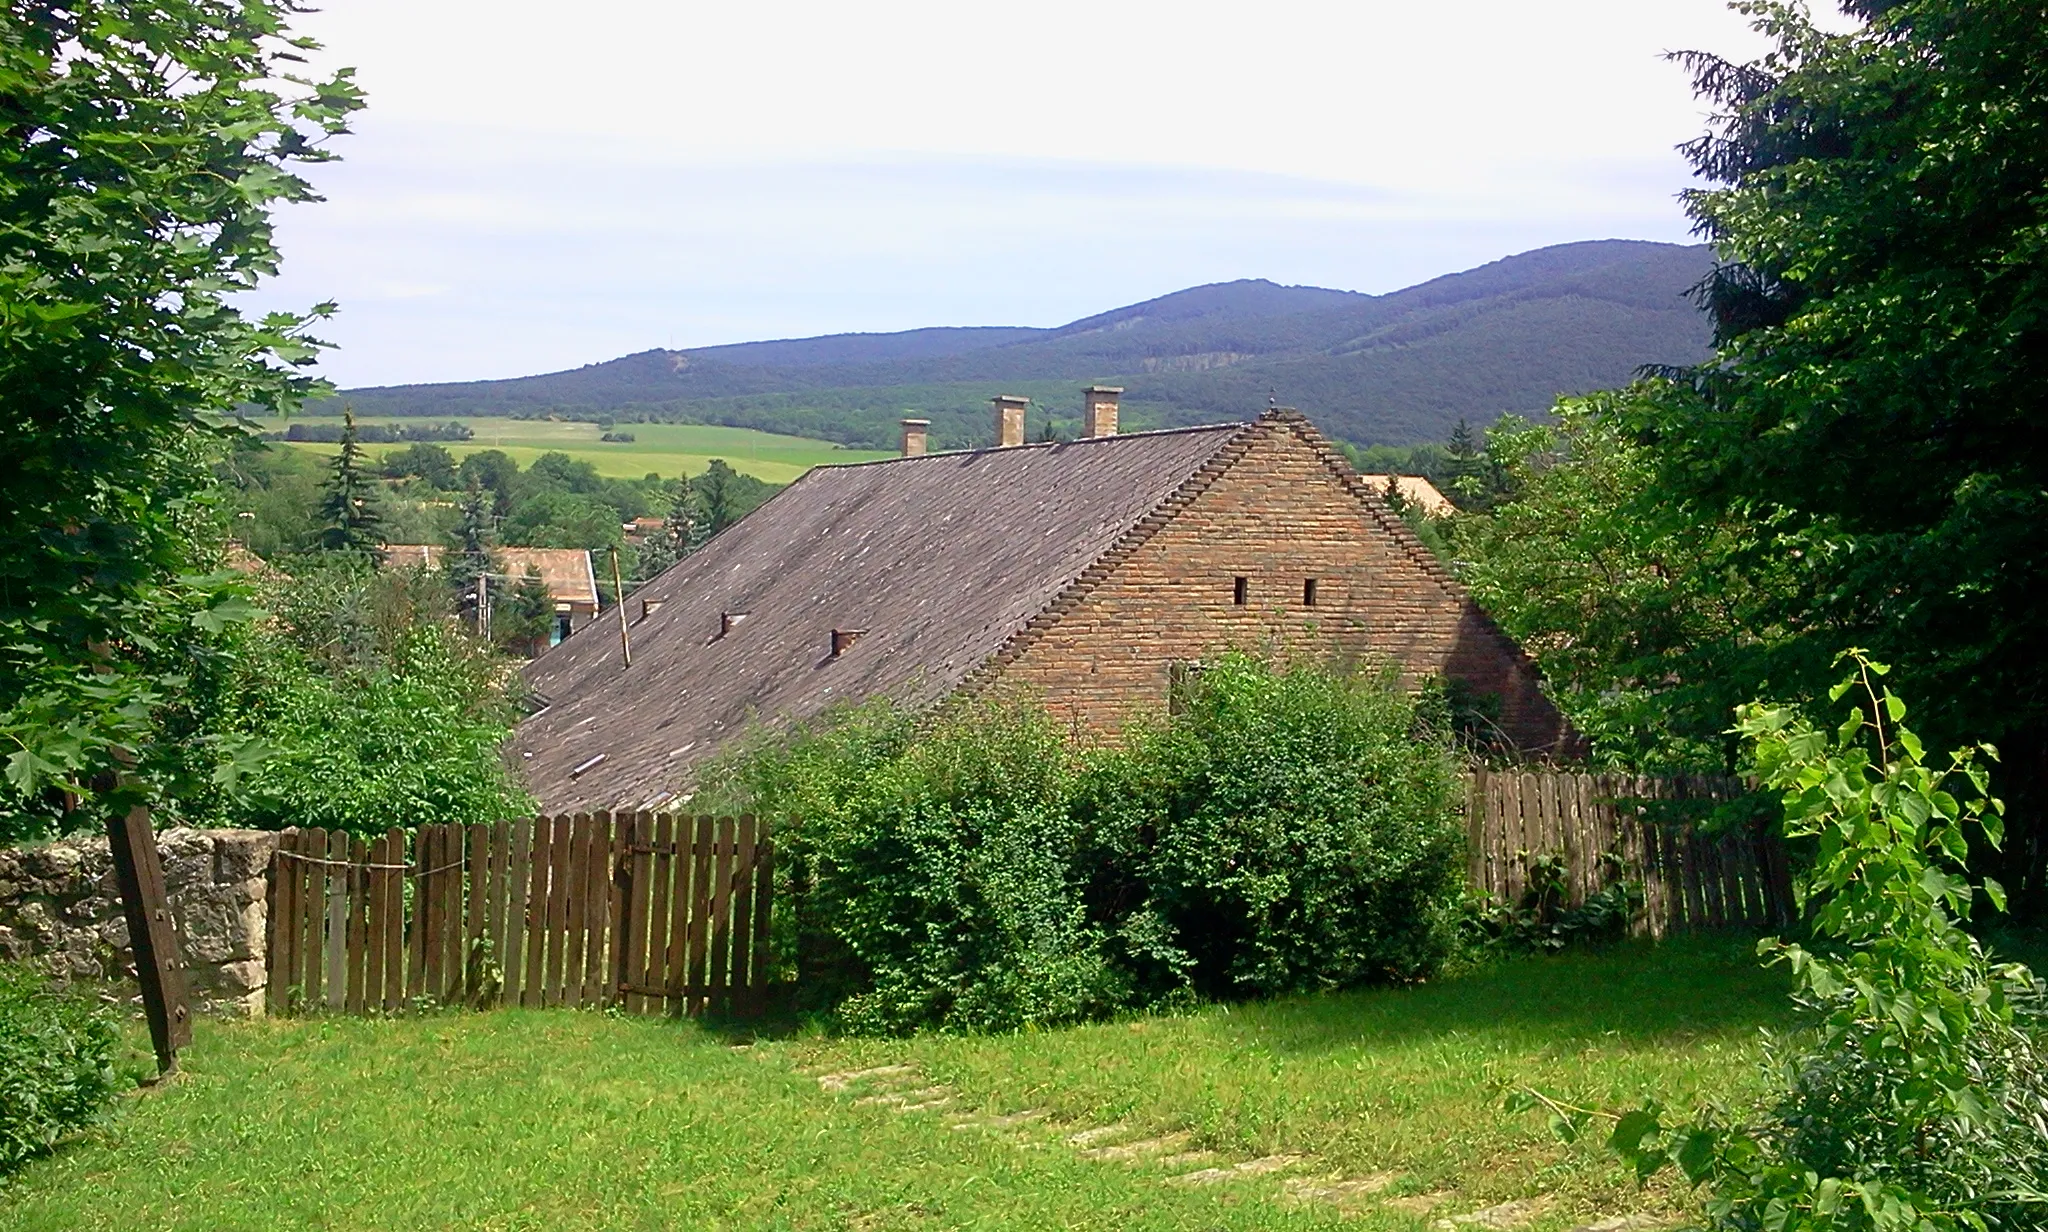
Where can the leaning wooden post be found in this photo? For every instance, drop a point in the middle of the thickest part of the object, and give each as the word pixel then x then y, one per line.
pixel 159 960
pixel 619 594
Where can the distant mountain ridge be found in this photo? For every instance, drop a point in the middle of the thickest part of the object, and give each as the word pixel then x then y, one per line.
pixel 1511 335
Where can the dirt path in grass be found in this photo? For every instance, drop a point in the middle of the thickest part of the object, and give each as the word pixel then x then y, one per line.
pixel 1174 1159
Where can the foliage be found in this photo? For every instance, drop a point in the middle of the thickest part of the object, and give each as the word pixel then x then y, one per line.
pixel 372 710
pixel 1921 1099
pixel 1650 618
pixel 704 504
pixel 351 513
pixel 1285 832
pixel 1882 322
pixel 375 434
pixel 56 1064
pixel 145 146
pixel 1540 922
pixel 951 876
pixel 522 624
pixel 470 559
pixel 430 462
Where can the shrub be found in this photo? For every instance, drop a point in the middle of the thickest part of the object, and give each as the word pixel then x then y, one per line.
pixel 942 870
pixel 1286 830
pixel 410 742
pixel 356 704
pixel 56 1064
pixel 1919 1097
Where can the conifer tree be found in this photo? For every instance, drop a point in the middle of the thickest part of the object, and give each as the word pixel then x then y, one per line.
pixel 475 536
pixel 718 498
pixel 350 518
pixel 1467 466
pixel 523 626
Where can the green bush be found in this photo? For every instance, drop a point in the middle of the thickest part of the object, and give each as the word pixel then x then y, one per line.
pixel 411 742
pixel 1286 830
pixel 355 705
pixel 56 1064
pixel 940 872
pixel 1918 1097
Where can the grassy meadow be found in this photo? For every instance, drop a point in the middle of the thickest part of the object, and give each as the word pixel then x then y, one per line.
pixel 1376 1110
pixel 669 450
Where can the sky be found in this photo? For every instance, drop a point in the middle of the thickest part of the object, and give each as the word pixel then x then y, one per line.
pixel 539 186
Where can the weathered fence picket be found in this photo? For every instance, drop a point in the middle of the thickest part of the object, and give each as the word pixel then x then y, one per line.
pixel 657 914
pixel 1597 825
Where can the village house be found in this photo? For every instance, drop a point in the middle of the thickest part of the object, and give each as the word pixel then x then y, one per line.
pixel 1095 573
pixel 567 574
pixel 1415 491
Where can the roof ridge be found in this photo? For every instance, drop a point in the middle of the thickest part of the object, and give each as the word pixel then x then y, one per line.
pixel 1085 440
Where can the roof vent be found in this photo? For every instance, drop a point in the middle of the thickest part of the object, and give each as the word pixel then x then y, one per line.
pixel 916 434
pixel 648 607
pixel 843 639
pixel 1098 410
pixel 728 621
pixel 1009 420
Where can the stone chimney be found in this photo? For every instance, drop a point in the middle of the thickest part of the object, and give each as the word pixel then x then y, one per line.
pixel 916 432
pixel 1010 420
pixel 1098 410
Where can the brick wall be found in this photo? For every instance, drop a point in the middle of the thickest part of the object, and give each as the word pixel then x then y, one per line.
pixel 1277 511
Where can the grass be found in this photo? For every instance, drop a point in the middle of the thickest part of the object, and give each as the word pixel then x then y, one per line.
pixel 520 1119
pixel 669 450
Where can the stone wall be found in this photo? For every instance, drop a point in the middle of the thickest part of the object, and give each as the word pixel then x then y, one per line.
pixel 59 905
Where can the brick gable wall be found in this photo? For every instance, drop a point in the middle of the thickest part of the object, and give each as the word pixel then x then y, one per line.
pixel 1276 508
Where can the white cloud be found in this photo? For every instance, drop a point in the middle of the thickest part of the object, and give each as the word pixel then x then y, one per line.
pixel 540 186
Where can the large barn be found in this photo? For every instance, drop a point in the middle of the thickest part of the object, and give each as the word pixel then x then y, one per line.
pixel 1093 572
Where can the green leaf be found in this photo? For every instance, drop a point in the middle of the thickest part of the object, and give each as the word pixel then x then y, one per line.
pixel 1631 1129
pixel 1696 1155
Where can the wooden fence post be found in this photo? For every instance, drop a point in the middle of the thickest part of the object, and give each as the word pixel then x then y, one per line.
pixel 159 961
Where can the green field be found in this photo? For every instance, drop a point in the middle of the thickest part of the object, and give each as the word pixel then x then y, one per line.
pixel 1380 1111
pixel 669 450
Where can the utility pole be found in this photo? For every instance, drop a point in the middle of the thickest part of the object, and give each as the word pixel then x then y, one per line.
pixel 619 592
pixel 483 606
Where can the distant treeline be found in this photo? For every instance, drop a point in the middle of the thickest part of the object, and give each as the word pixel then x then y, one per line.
pixel 373 434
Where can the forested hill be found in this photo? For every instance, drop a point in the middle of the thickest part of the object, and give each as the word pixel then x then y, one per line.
pixel 1394 368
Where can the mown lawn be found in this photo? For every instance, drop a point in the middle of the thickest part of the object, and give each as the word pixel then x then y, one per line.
pixel 669 450
pixel 1374 1110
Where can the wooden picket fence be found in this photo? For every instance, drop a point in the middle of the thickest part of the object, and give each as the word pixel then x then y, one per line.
pixel 652 913
pixel 1597 824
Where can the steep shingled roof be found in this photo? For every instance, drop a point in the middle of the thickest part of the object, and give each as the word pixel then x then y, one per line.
pixel 566 572
pixel 1417 491
pixel 938 560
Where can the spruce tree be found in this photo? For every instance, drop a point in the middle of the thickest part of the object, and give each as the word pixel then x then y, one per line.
pixel 718 498
pixel 350 518
pixel 1466 469
pixel 475 536
pixel 523 623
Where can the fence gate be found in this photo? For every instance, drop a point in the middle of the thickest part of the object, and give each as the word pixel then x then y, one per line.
pixel 654 913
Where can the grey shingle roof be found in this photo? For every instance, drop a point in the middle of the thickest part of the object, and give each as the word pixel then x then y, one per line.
pixel 939 559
